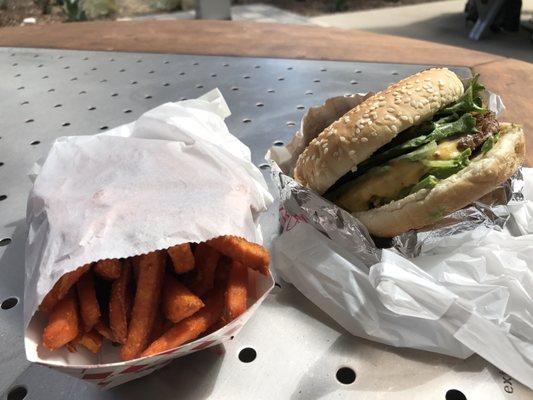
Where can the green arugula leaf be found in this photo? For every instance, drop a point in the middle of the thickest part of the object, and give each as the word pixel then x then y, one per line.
pixel 470 100
pixel 489 143
pixel 442 169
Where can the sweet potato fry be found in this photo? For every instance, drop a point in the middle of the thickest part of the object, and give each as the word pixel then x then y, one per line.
pixel 222 271
pixel 63 323
pixel 237 290
pixel 108 269
pixel 61 288
pixel 189 328
pixel 104 330
pixel 89 308
pixel 250 254
pixel 206 260
pixel 146 303
pixel 91 340
pixel 182 258
pixel 158 327
pixel 178 301
pixel 120 303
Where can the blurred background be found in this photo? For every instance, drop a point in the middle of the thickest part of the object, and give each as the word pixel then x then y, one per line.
pixel 502 27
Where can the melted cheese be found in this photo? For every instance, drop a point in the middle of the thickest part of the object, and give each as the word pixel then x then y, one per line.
pixel 386 182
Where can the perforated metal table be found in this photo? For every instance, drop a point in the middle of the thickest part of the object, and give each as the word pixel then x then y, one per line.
pixel 300 353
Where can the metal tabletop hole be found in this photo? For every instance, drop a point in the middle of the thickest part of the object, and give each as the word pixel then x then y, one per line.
pixel 127 111
pixel 277 285
pixel 166 62
pixel 290 123
pixel 74 79
pixel 345 375
pixel 82 92
pixel 290 68
pixel 316 80
pixel 15 64
pixel 199 86
pixel 247 355
pixel 151 71
pixel 20 88
pixel 94 69
pixel 85 58
pixel 278 143
pixel 3 197
pixel 1 164
pixel 148 96
pixel 246 120
pixel 92 108
pixel 51 90
pixel 353 82
pixel 213 75
pixel 182 73
pixel 358 71
pixel 103 80
pixel 281 78
pixel 58 105
pixel 103 128
pixel 196 63
pixel 259 104
pixel 323 69
pixel 300 107
pixel 257 66
pixel 9 303
pixel 24 103
pixel 134 82
pixel 112 59
pixel 264 166
pixel 17 75
pixel 114 95
pixel 29 120
pixel 308 93
pixel 122 70
pixel 139 61
pixel 17 393
pixel 40 66
pixel 271 91
pixel 394 73
pixel 66 67
pixel 246 77
pixel 454 394
pixel 65 124
pixel 225 65
pixel 234 88
pixel 166 84
pixel 45 77
pixel 5 241
pixel 35 142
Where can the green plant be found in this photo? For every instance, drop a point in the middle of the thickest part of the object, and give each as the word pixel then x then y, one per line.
pixel 99 8
pixel 75 10
pixel 340 5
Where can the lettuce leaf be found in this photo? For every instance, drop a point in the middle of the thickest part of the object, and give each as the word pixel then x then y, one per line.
pixel 465 124
pixel 489 143
pixel 470 101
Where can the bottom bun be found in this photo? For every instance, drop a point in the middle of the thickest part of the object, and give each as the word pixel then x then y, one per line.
pixel 425 207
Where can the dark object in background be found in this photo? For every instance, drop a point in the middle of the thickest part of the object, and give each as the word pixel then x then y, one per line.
pixel 508 18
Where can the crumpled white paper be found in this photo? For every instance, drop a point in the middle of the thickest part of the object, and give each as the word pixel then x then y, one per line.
pixel 469 292
pixel 175 175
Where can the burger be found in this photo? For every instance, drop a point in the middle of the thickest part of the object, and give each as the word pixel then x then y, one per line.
pixel 407 156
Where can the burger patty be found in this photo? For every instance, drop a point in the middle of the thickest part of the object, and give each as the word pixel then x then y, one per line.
pixel 486 125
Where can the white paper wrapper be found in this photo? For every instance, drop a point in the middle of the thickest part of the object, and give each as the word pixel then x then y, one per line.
pixel 459 288
pixel 175 175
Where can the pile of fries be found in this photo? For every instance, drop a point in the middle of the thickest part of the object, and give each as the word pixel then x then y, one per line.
pixel 153 302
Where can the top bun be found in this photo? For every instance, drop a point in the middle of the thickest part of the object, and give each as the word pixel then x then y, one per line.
pixel 372 124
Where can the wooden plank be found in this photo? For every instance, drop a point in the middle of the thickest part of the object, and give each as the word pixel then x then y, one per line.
pixel 513 80
pixel 240 39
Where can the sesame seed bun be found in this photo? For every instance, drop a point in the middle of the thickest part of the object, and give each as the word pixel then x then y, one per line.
pixel 372 124
pixel 425 207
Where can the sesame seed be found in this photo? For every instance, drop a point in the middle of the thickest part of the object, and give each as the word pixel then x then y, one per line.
pixel 391 110
pixel 342 139
pixel 351 152
pixel 364 140
pixel 417 117
pixel 404 117
pixel 358 130
pixel 381 98
pixel 411 120
pixel 394 128
pixel 326 150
